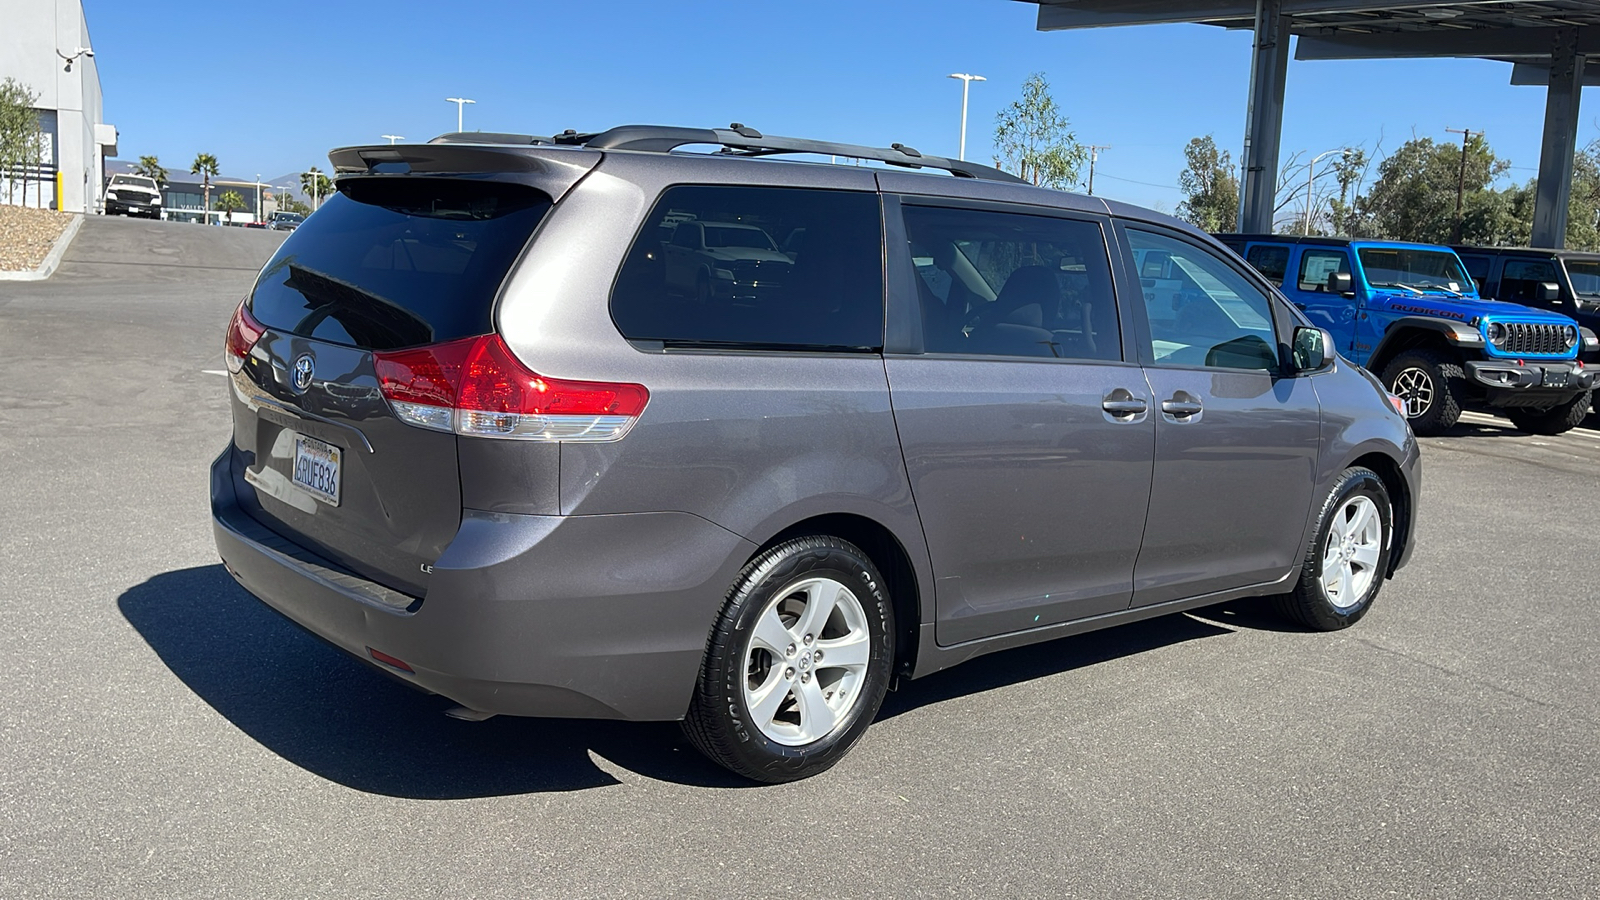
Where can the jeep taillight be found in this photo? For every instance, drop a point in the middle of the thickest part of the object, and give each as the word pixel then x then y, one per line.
pixel 243 332
pixel 475 386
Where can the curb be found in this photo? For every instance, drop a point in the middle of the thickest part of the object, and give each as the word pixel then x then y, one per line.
pixel 51 259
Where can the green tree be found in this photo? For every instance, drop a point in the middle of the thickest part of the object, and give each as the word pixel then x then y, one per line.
pixel 1035 141
pixel 20 138
pixel 1210 189
pixel 205 165
pixel 228 202
pixel 315 185
pixel 288 203
pixel 150 167
pixel 1414 196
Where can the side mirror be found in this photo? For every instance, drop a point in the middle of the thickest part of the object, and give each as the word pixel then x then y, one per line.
pixel 1310 348
pixel 1548 292
pixel 1341 283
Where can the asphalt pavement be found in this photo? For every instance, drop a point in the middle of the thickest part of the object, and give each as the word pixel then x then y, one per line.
pixel 162 734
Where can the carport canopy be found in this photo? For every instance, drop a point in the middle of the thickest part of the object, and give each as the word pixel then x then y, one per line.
pixel 1547 42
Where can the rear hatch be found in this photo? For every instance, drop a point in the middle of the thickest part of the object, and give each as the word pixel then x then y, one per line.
pixel 393 261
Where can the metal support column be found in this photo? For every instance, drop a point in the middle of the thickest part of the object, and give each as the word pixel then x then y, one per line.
pixel 1560 141
pixel 1269 69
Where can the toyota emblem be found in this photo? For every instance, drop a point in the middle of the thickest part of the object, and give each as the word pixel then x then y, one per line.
pixel 300 375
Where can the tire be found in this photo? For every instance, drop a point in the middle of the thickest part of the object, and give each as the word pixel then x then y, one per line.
pixel 1343 544
pixel 755 707
pixel 1432 383
pixel 1555 420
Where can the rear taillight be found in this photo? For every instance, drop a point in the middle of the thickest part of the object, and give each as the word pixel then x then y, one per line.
pixel 243 332
pixel 475 386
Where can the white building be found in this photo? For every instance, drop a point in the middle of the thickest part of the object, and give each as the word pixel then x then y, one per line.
pixel 41 44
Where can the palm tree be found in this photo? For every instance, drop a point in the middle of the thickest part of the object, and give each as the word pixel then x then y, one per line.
pixel 228 201
pixel 205 165
pixel 150 167
pixel 315 185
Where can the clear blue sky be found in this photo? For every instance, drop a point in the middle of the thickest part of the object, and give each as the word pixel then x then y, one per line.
pixel 243 81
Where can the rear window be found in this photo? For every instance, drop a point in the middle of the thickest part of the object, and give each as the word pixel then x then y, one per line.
pixel 1271 260
pixel 397 262
pixel 755 268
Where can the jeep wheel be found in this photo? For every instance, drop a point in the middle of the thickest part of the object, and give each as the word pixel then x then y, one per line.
pixel 797 664
pixel 1555 420
pixel 1430 384
pixel 1347 557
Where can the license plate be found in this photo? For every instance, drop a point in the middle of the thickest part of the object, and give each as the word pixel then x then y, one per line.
pixel 1554 378
pixel 316 468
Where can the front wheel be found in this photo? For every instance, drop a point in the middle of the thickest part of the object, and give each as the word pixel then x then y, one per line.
pixel 1555 420
pixel 797 664
pixel 1348 555
pixel 1429 383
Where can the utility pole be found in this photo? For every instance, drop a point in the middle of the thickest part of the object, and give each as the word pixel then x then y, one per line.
pixel 1461 181
pixel 1094 157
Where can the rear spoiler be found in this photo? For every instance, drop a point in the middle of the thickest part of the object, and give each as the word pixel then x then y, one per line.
pixel 549 169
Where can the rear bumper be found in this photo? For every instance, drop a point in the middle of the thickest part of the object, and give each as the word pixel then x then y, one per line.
pixel 1505 383
pixel 564 616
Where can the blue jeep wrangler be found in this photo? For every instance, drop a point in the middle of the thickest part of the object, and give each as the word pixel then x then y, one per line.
pixel 1410 314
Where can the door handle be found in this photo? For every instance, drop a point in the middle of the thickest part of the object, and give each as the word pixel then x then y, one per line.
pixel 1123 407
pixel 1180 408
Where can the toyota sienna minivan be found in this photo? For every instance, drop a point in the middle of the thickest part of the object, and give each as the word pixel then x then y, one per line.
pixel 607 426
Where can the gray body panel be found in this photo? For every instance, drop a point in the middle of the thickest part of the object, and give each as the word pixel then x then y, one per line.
pixel 583 579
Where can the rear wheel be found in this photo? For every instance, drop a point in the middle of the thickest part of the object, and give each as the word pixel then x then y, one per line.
pixel 798 662
pixel 1555 420
pixel 1347 557
pixel 1430 384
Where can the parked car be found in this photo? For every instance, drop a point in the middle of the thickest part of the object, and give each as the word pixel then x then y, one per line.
pixel 724 261
pixel 133 195
pixel 1411 313
pixel 483 442
pixel 1564 281
pixel 284 221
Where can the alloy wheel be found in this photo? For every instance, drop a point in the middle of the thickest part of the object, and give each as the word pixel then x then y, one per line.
pixel 805 661
pixel 1414 386
pixel 1350 557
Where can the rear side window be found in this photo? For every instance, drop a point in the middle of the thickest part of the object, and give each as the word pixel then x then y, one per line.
pixel 1271 260
pixel 398 262
pixel 1008 284
pixel 757 268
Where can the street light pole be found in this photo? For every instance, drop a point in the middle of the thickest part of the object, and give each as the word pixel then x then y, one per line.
pixel 398 137
pixel 1311 172
pixel 258 197
pixel 460 103
pixel 966 85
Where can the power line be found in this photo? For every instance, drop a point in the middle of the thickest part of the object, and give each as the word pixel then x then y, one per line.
pixel 1170 187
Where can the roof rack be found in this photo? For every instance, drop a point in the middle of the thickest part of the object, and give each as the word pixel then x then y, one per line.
pixel 735 140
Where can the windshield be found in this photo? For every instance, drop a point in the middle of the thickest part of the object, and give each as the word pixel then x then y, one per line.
pixel 1585 276
pixel 725 236
pixel 131 181
pixel 1418 270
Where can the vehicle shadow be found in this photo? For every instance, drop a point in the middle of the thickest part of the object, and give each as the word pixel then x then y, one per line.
pixel 339 719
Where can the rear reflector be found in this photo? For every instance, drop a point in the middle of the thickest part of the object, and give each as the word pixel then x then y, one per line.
pixel 243 332
pixel 476 387
pixel 388 660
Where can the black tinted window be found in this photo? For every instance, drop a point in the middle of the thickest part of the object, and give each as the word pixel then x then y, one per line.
pixel 1271 260
pixel 755 267
pixel 1477 267
pixel 390 263
pixel 1006 284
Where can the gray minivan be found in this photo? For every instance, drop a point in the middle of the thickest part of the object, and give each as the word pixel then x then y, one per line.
pixel 493 438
